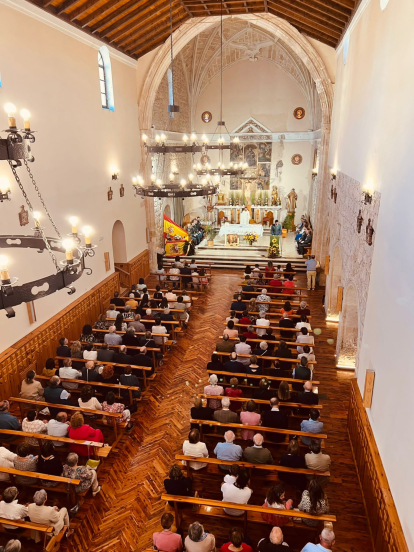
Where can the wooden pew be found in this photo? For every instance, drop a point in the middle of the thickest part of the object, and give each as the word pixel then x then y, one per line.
pixel 269 314
pixel 261 401
pixel 183 276
pixel 263 268
pixel 172 323
pixel 295 330
pixel 275 293
pixel 193 292
pixel 72 409
pixel 271 294
pixel 290 344
pixel 252 513
pixel 51 542
pixel 292 360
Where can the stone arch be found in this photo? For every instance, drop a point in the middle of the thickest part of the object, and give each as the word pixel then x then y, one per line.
pixel 349 331
pixel 119 243
pixel 335 279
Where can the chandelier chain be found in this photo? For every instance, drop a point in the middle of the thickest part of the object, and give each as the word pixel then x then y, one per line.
pixel 16 176
pixel 41 198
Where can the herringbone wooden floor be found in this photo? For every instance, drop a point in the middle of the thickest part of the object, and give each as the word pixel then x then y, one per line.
pixel 127 511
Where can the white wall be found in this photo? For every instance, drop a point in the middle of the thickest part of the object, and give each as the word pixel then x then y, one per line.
pixel 372 142
pixel 55 76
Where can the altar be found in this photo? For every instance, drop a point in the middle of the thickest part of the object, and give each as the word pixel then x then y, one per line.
pixel 239 230
pixel 257 212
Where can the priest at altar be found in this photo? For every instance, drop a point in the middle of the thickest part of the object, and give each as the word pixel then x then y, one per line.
pixel 245 216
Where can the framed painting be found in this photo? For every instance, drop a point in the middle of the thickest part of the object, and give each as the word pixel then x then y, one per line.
pixel 250 155
pixel 265 152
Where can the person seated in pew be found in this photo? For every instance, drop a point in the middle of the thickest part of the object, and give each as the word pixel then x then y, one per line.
pixel 286 322
pixel 89 373
pixel 76 352
pixel 270 270
pixel 268 336
pixel 137 324
pixel 283 392
pixel 112 312
pixel 313 425
pixel 63 350
pixel 87 334
pixel 233 316
pixel 194 447
pixel 293 459
pixel 6 461
pixel 49 464
pixel 171 298
pixel 25 462
pixel 132 303
pixel 121 357
pixel 177 484
pixel 303 372
pixel 200 412
pixel 134 291
pixel 263 297
pixel 263 322
pixel 327 540
pixel 158 295
pixel 230 330
pixel 107 375
pixel 84 432
pixel 159 329
pixel 304 338
pixel 236 543
pixel 307 354
pixel 58 427
pixel 316 460
pixel 31 424
pixel 88 477
pixel 315 502
pixel 303 309
pixel 250 333
pixel 243 320
pixel 228 450
pixel 173 275
pixel 303 323
pixel 249 417
pixel 130 340
pixel 215 364
pixel 11 509
pixel 225 415
pixel 307 396
pixel 13 545
pixel 275 284
pixel 239 492
pixel 89 402
pixel 110 405
pixel 111 337
pixel 50 368
pixel 237 304
pixel 31 389
pixel 7 421
pixel 128 313
pixel 214 389
pixel 141 284
pixel 225 346
pixel 247 288
pixel 283 351
pixel 287 307
pixel 274 543
pixel 130 380
pixel 166 316
pixel 198 540
pixel 243 348
pixel 288 268
pixel 276 499
pixel 117 301
pixel 186 271
pixel 90 353
pixel 257 454
pixel 288 285
pixel 264 393
pixel 120 325
pixel 253 369
pixel 67 371
pixel 148 316
pixel 105 354
pixel 262 349
pixel 143 359
pixel 234 365
pixel 234 391
pixel 276 419
pixel 147 341
pixel 55 394
pixel 166 540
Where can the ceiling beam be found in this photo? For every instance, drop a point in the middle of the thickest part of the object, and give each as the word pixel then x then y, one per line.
pixel 157 38
pixel 303 27
pixel 66 5
pixel 307 20
pixel 100 12
pixel 314 17
pixel 185 7
pixel 321 8
pixel 123 10
pixel 81 10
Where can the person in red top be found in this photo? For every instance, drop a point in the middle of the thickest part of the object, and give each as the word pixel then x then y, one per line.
pixel 275 283
pixel 269 270
pixel 245 318
pixel 79 430
pixel 303 309
pixel 289 286
pixel 234 391
pixel 250 334
pixel 236 543
pixel 287 307
pixel 166 540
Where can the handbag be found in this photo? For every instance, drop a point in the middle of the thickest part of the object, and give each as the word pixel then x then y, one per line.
pixel 93 464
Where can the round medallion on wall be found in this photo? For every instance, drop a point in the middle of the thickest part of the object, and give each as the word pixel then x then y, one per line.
pixel 204 159
pixel 299 113
pixel 297 159
pixel 206 117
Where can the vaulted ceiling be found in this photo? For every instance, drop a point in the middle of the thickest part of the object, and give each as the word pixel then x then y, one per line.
pixel 136 27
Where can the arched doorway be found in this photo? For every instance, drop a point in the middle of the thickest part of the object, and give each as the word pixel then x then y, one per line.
pixel 335 282
pixel 348 341
pixel 119 243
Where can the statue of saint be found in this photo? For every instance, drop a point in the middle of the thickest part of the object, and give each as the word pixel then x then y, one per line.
pixel 291 199
pixel 369 230
pixel 360 220
pixel 274 196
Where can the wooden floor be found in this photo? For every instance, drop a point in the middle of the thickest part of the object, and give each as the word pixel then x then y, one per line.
pixel 127 511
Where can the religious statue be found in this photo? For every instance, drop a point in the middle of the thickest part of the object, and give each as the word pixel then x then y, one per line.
pixel 335 194
pixel 369 231
pixel 110 194
pixel 274 196
pixel 332 191
pixel 23 216
pixel 237 200
pixel 259 201
pixel 220 199
pixel 122 191
pixel 360 220
pixel 291 199
pixel 245 216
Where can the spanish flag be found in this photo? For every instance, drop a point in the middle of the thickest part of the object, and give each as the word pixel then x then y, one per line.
pixel 173 231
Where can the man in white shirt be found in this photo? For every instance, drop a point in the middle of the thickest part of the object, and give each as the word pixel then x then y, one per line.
pixel 243 348
pixel 263 322
pixel 174 273
pixel 158 329
pixel 112 338
pixel 70 373
pixel 238 492
pixel 194 447
pixel 305 338
pixel 11 509
pixel 6 461
pixel 112 312
pixel 171 298
pixel 58 428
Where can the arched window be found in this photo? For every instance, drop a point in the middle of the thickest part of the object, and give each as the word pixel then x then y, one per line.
pixel 105 79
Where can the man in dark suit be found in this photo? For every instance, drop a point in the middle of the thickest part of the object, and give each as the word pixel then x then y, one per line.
pixel 305 241
pixel 234 366
pixel 276 419
pixel 307 397
pixel 284 352
pixel 167 316
pixel 225 415
pixel 248 287
pixel 286 322
pixel 264 393
pixel 302 372
pixel 142 359
pixel 105 354
pixel 237 304
pixel 225 346
pixel 63 350
pixel 89 373
pixel 130 340
pixel 186 270
pixel 121 357
pixel 116 300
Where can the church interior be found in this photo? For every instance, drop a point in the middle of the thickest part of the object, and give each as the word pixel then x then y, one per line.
pixel 163 160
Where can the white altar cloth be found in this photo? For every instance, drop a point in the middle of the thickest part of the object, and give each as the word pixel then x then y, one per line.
pixel 240 229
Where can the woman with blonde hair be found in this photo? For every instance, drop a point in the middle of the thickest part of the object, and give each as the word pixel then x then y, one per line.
pixel 214 389
pixel 84 432
pixel 76 352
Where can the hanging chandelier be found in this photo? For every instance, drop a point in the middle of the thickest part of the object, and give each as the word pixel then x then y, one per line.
pixel 16 150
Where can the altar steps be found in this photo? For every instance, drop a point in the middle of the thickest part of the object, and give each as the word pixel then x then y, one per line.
pixel 226 261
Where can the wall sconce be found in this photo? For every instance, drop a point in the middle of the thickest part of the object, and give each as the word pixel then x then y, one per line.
pixel 333 174
pixel 366 197
pixel 314 174
pixel 114 172
pixel 4 189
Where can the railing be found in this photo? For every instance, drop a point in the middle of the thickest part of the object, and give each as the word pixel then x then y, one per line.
pixel 131 271
pixel 385 527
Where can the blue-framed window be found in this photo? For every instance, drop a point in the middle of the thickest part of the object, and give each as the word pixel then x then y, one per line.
pixel 105 79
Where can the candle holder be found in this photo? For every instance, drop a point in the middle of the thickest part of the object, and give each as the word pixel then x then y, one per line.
pixel 4 196
pixel 6 286
pixel 75 237
pixel 88 250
